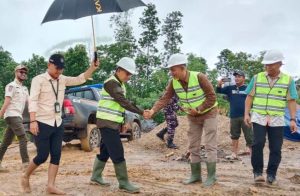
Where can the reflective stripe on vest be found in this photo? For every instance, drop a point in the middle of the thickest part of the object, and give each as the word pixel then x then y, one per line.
pixel 194 96
pixel 108 109
pixel 267 100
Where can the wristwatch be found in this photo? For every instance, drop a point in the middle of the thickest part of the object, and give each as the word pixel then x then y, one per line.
pixel 293 119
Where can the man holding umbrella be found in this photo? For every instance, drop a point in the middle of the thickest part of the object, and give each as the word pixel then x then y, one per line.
pixel 46 98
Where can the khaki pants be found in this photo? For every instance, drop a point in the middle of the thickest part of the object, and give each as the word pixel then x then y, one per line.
pixel 15 127
pixel 208 129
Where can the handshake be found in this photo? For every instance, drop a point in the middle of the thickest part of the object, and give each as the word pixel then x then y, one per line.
pixel 148 114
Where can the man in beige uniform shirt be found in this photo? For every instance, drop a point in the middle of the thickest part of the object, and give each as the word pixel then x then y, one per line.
pixel 45 103
pixel 198 99
pixel 16 96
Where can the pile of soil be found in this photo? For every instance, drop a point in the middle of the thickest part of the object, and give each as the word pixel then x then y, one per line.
pixel 152 142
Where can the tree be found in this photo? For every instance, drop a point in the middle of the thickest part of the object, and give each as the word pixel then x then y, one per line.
pixel 76 60
pixel 147 58
pixel 172 25
pixel 7 65
pixel 123 32
pixel 36 65
pixel 196 63
pixel 229 61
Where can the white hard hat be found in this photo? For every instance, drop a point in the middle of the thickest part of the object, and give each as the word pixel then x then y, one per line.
pixel 128 64
pixel 272 56
pixel 177 59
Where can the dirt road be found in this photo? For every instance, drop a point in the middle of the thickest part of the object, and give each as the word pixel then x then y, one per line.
pixel 153 171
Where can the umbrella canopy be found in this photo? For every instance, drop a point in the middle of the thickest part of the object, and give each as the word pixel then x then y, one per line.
pixel 74 9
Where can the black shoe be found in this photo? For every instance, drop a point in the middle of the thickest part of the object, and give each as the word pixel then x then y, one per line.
pixel 271 179
pixel 170 144
pixel 162 133
pixel 258 178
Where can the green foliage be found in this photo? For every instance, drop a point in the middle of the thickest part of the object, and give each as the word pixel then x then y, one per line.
pixel 7 66
pixel 229 61
pixel 196 63
pixel 2 128
pixel 149 22
pixel 36 65
pixel 223 104
pixel 170 29
pixel 212 76
pixel 76 60
pixel 124 32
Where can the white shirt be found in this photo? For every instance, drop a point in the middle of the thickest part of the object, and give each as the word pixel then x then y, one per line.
pixel 42 97
pixel 19 96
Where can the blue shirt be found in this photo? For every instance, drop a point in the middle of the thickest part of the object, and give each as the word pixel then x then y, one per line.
pixel 236 96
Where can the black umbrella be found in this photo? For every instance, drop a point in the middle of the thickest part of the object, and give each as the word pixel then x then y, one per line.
pixel 74 9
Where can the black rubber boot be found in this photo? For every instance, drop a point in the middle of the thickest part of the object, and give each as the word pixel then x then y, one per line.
pixel 170 144
pixel 162 133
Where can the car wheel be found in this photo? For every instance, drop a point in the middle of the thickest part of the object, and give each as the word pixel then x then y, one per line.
pixel 92 139
pixel 135 132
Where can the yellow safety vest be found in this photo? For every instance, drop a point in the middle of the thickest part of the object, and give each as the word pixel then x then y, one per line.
pixel 270 100
pixel 194 96
pixel 108 109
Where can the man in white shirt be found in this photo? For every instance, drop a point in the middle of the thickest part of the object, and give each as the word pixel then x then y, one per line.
pixel 45 103
pixel 16 96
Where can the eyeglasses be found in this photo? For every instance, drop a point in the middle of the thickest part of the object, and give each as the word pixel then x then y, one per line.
pixel 23 72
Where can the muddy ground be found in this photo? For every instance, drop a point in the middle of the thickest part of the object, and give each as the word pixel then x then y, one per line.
pixel 156 169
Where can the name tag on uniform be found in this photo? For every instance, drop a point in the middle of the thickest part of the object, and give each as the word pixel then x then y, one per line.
pixel 57 107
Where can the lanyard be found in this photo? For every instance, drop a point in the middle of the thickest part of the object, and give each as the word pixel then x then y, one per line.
pixel 55 92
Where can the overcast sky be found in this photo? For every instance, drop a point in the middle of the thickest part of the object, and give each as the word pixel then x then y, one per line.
pixel 209 26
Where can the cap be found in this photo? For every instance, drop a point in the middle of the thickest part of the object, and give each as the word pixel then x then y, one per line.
pixel 21 67
pixel 177 59
pixel 57 60
pixel 238 72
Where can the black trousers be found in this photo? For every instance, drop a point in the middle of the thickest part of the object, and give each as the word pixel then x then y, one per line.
pixel 48 140
pixel 275 137
pixel 111 146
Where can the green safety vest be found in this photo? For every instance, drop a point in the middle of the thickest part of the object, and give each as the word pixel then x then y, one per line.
pixel 108 109
pixel 194 96
pixel 270 100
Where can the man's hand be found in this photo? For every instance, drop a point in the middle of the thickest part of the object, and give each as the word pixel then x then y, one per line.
pixel 95 65
pixel 124 128
pixel 247 120
pixel 220 83
pixel 293 126
pixel 148 114
pixel 34 128
pixel 192 112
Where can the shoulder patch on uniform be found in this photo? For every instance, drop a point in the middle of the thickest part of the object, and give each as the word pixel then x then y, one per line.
pixel 10 88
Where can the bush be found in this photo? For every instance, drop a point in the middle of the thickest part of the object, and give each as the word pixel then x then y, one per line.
pixel 2 128
pixel 223 104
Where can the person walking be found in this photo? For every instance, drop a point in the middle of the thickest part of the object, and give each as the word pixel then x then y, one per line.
pixel 16 97
pixel 199 101
pixel 237 96
pixel 45 104
pixel 110 121
pixel 172 122
pixel 268 94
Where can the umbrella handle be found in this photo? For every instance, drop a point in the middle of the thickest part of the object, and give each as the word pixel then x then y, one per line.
pixel 95 56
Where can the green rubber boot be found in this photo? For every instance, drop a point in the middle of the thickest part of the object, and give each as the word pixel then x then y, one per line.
pixel 195 175
pixel 124 184
pixel 97 173
pixel 211 174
